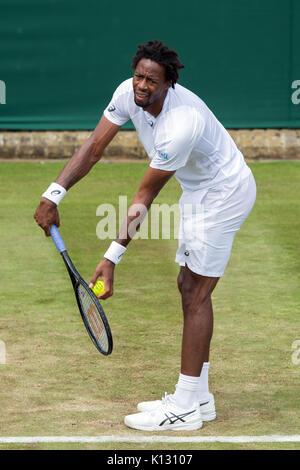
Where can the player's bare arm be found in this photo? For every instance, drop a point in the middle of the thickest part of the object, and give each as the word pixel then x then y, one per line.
pixel 151 184
pixel 77 167
pixel 89 153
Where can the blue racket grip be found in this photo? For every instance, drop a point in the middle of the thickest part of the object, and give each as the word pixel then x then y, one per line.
pixel 56 237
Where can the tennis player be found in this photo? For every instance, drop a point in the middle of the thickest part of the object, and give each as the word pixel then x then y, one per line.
pixel 182 137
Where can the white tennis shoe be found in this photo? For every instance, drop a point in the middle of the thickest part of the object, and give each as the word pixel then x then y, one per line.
pixel 166 417
pixel 208 409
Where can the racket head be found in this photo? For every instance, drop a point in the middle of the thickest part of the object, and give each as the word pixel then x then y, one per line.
pixel 90 309
pixel 93 317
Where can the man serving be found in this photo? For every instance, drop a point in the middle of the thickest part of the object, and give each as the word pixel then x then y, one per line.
pixel 182 137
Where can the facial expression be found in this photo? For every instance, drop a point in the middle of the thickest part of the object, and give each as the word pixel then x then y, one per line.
pixel 149 84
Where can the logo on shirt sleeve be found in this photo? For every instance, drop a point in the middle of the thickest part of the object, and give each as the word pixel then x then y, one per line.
pixel 163 155
pixel 111 108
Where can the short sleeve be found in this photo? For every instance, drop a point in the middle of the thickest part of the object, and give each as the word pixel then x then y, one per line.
pixel 118 110
pixel 176 136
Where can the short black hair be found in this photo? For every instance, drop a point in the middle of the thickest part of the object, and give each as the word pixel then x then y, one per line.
pixel 160 53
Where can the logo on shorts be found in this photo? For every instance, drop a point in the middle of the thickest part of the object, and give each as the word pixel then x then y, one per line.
pixel 111 108
pixel 162 155
pixel 187 253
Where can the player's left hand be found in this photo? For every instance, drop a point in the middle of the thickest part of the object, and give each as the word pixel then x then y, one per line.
pixel 105 270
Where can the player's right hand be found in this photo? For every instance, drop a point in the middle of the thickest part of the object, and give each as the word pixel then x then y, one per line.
pixel 105 270
pixel 46 215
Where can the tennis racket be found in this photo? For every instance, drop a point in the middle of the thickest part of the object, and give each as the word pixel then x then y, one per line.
pixel 89 306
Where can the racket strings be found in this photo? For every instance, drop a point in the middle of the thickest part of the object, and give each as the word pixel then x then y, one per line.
pixel 92 317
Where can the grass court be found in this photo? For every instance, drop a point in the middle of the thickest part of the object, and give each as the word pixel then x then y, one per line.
pixel 55 383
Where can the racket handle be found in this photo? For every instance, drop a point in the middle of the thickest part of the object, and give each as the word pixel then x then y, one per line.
pixel 56 237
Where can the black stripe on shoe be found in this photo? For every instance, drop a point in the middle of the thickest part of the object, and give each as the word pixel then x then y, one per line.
pixel 177 418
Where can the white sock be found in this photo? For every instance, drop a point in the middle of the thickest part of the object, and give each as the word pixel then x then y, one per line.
pixel 186 393
pixel 203 389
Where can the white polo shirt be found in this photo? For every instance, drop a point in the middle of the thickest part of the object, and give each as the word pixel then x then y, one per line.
pixel 185 136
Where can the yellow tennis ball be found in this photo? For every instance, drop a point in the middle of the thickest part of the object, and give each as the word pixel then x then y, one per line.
pixel 99 287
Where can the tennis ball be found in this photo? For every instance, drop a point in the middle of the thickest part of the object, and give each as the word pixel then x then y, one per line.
pixel 99 287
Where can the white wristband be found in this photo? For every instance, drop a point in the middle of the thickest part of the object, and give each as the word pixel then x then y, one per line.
pixel 55 193
pixel 115 252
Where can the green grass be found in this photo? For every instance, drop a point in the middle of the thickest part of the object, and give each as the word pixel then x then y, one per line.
pixel 152 447
pixel 56 383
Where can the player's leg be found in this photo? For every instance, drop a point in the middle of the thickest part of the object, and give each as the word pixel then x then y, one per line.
pixel 221 214
pixel 192 385
pixel 197 308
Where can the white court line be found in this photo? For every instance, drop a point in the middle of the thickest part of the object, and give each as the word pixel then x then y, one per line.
pixel 149 439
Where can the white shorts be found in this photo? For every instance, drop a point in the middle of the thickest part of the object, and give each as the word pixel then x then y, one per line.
pixel 209 221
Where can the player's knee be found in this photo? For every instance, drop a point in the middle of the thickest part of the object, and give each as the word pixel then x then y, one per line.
pixel 193 294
